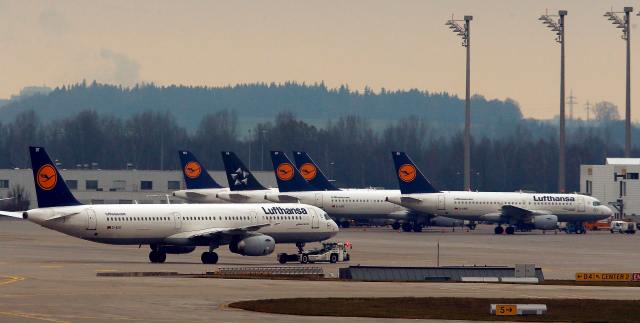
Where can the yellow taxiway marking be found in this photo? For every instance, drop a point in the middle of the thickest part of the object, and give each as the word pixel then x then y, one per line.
pixel 11 279
pixel 32 316
pixel 51 266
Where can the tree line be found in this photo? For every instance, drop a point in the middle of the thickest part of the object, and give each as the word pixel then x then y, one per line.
pixel 261 102
pixel 351 149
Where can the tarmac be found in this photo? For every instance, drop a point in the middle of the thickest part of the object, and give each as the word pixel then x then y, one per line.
pixel 48 276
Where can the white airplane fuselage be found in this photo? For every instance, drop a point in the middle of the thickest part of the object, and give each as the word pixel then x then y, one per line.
pixel 487 206
pixel 356 204
pixel 127 224
pixel 351 203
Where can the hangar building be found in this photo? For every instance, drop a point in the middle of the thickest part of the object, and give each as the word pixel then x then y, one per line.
pixel 616 184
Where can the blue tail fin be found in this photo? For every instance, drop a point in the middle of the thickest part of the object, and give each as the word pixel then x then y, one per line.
pixel 311 172
pixel 51 189
pixel 240 177
pixel 409 176
pixel 195 175
pixel 287 176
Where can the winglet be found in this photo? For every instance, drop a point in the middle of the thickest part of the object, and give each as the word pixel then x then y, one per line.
pixel 288 177
pixel 311 172
pixel 409 177
pixel 51 190
pixel 195 175
pixel 240 177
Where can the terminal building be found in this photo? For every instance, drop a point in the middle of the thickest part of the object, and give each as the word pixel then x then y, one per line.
pixel 616 184
pixel 94 186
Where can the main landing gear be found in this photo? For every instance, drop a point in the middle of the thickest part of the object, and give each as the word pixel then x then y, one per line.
pixel 210 257
pixel 157 255
pixel 500 230
pixel 408 226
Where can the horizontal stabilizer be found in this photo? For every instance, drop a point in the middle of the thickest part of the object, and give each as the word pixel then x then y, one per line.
pixel 63 215
pixel 17 215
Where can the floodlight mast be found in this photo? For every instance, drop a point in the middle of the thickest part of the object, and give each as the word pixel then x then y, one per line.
pixel 464 31
pixel 556 24
pixel 624 24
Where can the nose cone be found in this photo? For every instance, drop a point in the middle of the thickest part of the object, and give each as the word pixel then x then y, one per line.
pixel 605 211
pixel 333 227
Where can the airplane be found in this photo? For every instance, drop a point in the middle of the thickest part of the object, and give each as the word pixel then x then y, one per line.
pixel 314 175
pixel 201 187
pixel 311 172
pixel 358 204
pixel 243 185
pixel 248 229
pixel 519 210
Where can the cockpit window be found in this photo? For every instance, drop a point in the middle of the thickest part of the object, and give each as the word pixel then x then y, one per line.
pixel 326 217
pixel 596 203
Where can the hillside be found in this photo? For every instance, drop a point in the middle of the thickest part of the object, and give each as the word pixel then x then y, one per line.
pixel 253 103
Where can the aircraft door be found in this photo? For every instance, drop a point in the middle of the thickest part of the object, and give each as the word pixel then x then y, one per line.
pixel 92 221
pixel 441 205
pixel 580 202
pixel 315 221
pixel 177 219
pixel 254 217
pixel 319 200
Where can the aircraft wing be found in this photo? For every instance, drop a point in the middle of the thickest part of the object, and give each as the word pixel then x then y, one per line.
pixel 192 194
pixel 212 232
pixel 284 198
pixel 11 214
pixel 237 196
pixel 518 213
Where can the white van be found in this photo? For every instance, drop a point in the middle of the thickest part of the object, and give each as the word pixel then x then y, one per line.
pixel 623 227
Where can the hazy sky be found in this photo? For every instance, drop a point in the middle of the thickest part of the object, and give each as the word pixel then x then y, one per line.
pixel 390 44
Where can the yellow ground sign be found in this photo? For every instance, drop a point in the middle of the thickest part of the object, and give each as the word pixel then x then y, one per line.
pixel 604 277
pixel 506 309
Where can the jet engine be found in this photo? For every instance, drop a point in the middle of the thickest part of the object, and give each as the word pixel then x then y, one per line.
pixel 259 245
pixel 545 222
pixel 178 249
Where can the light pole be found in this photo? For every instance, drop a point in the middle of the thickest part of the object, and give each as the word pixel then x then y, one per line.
pixel 332 164
pixel 623 23
pixel 556 24
pixel 262 149
pixel 249 139
pixel 464 31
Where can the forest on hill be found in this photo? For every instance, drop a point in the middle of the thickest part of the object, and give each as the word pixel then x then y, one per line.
pixel 316 104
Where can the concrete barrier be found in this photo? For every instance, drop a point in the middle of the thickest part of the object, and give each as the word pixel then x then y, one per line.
pixel 520 280
pixel 480 279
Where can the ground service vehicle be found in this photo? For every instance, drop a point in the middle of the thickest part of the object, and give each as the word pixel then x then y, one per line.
pixel 622 227
pixel 330 252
